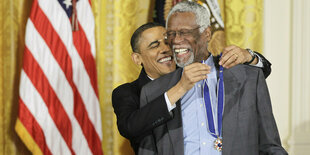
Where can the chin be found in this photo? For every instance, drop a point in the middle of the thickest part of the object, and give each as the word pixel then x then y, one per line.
pixel 167 70
pixel 183 63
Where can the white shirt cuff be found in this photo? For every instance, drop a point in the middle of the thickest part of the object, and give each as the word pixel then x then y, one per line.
pixel 169 106
pixel 260 62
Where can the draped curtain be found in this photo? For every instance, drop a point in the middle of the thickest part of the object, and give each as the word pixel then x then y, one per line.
pixel 115 22
pixel 244 23
pixel 13 18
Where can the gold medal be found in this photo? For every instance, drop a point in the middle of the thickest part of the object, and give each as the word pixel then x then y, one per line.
pixel 218 144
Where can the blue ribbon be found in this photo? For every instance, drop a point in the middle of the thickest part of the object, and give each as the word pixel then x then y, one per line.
pixel 208 106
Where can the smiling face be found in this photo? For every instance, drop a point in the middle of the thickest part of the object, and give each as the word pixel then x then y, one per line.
pixel 154 53
pixel 188 45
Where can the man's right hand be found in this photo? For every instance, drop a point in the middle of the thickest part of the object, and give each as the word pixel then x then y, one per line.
pixel 193 73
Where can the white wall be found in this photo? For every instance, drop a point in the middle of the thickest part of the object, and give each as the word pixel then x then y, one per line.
pixel 277 47
pixel 286 35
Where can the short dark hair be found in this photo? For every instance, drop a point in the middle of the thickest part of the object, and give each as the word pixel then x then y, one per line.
pixel 137 34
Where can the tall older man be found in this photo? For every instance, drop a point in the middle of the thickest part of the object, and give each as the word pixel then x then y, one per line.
pixel 228 113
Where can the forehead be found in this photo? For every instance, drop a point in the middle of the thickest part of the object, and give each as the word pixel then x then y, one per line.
pixel 182 20
pixel 153 33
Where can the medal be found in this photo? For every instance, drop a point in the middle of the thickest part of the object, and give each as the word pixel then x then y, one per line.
pixel 218 144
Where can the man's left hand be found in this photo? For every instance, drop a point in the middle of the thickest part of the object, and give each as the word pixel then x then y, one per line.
pixel 233 55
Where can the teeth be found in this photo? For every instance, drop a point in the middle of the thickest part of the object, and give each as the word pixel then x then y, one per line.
pixel 180 51
pixel 165 59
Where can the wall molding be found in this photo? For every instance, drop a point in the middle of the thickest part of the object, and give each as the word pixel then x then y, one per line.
pixel 299 141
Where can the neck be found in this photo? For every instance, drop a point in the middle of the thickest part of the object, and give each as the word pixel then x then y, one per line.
pixel 152 77
pixel 203 57
pixel 207 55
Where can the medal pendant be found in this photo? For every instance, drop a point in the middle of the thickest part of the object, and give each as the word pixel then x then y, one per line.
pixel 218 144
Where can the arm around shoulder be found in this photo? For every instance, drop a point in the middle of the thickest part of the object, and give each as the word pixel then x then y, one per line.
pixel 134 122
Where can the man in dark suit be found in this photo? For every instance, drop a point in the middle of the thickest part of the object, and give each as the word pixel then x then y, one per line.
pixel 244 106
pixel 134 123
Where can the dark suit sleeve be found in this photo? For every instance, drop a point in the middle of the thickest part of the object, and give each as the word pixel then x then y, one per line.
pixel 269 139
pixel 266 65
pixel 134 122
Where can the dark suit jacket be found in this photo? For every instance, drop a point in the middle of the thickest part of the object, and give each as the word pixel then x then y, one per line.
pixel 144 126
pixel 150 128
pixel 249 127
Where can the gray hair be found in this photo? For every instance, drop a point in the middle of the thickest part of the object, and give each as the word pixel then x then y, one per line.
pixel 201 13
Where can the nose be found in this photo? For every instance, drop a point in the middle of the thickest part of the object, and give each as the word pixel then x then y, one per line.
pixel 177 39
pixel 165 49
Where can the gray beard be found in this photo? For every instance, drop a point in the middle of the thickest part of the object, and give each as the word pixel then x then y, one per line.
pixel 182 65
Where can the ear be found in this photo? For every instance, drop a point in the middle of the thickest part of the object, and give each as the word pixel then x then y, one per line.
pixel 207 33
pixel 136 58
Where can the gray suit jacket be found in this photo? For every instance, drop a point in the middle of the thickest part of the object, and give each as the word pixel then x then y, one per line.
pixel 249 127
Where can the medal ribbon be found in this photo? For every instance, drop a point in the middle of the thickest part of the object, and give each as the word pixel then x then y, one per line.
pixel 220 103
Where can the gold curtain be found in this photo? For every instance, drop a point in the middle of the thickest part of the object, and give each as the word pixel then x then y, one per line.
pixel 13 18
pixel 115 22
pixel 243 23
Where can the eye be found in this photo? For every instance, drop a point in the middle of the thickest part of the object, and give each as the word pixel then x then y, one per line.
pixel 154 45
pixel 184 32
pixel 170 34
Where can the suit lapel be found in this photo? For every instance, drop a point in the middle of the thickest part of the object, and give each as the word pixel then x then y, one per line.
pixel 230 115
pixel 158 87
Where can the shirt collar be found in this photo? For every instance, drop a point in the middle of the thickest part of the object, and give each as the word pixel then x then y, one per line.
pixel 150 77
pixel 209 61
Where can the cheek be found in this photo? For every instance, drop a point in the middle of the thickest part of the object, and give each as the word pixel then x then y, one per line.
pixel 151 61
pixel 201 44
pixel 193 42
pixel 196 46
pixel 149 58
